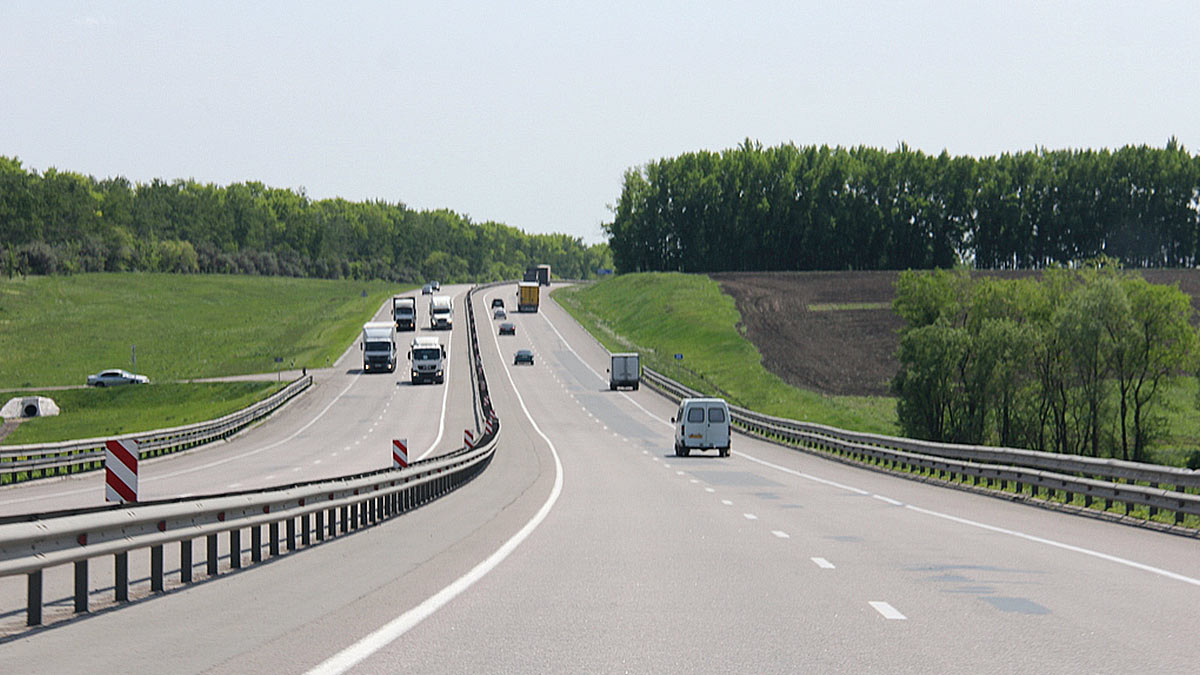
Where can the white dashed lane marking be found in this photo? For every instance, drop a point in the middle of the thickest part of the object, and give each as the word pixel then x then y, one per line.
pixel 887 610
pixel 822 563
pixel 781 534
pixel 749 516
pixel 726 502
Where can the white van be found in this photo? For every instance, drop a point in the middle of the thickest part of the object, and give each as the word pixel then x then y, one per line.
pixel 702 424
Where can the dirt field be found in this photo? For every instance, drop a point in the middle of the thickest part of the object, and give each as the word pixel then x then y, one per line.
pixel 834 332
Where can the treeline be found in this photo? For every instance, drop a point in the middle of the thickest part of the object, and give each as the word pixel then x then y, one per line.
pixel 822 208
pixel 1077 361
pixel 58 222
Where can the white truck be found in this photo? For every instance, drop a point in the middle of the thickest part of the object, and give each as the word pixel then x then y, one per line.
pixel 404 312
pixel 378 347
pixel 625 371
pixel 441 312
pixel 428 358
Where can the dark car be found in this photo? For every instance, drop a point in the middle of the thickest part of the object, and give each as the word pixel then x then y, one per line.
pixel 498 302
pixel 523 356
pixel 507 328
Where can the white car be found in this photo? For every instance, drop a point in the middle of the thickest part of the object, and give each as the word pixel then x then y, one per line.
pixel 499 313
pixel 110 378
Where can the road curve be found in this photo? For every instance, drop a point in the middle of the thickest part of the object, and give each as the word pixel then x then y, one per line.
pixel 771 560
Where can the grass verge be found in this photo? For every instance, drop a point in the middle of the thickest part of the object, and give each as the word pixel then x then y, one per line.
pixel 95 413
pixel 56 330
pixel 660 315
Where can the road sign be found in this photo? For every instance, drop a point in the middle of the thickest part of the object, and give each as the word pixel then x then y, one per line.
pixel 679 357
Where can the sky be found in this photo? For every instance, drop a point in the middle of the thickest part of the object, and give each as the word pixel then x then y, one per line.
pixel 530 113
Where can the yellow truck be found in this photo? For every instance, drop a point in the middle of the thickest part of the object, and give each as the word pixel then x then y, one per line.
pixel 527 296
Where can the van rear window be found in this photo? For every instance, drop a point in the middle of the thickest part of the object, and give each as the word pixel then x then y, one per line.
pixel 716 414
pixel 696 415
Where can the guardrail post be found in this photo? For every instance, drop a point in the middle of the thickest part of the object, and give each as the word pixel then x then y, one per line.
pixel 235 549
pixel 305 537
pixel 345 517
pixel 33 599
pixel 256 543
pixel 1153 509
pixel 185 561
pixel 121 576
pixel 273 532
pixel 213 559
pixel 156 568
pixel 81 586
pixel 291 534
pixel 320 525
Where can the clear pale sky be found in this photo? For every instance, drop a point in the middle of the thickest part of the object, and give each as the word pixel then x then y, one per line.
pixel 529 113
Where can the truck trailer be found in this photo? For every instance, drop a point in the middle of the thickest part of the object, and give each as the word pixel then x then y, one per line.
pixel 527 296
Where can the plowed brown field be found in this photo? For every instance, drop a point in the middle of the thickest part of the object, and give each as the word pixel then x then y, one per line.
pixel 835 332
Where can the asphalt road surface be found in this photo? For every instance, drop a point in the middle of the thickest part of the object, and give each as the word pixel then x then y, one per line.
pixel 588 546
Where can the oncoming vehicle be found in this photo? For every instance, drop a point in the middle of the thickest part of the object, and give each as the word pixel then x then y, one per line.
pixel 437 285
pixel 427 289
pixel 428 360
pixel 523 356
pixel 114 377
pixel 508 329
pixel 500 314
pixel 702 424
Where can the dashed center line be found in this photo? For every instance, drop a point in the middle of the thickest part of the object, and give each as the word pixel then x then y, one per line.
pixel 708 489
pixel 887 610
pixel 749 516
pixel 726 502
pixel 822 563
pixel 781 534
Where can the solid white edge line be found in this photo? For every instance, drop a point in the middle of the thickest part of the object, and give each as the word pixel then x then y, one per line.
pixel 887 610
pixel 1058 544
pixel 364 648
pixel 889 500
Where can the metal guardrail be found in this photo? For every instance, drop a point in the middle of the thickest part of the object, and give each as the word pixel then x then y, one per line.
pixel 1060 477
pixel 308 512
pixel 43 460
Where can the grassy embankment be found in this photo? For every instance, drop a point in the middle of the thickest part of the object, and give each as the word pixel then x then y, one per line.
pixel 57 330
pixel 688 314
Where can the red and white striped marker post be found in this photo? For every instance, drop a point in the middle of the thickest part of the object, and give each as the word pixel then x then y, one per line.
pixel 120 471
pixel 490 426
pixel 468 439
pixel 400 453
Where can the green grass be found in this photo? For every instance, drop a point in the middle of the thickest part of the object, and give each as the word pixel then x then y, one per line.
pixel 660 315
pixel 57 330
pixel 94 413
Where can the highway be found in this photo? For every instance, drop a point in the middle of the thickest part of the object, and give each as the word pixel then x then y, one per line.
pixel 588 546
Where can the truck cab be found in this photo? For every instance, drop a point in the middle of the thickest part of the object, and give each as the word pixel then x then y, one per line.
pixel 378 347
pixel 428 358
pixel 702 424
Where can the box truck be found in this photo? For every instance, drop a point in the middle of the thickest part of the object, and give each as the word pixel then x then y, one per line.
pixel 441 312
pixel 378 347
pixel 527 296
pixel 404 312
pixel 428 358
pixel 625 371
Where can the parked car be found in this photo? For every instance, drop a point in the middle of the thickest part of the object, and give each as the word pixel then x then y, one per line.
pixel 523 356
pixel 498 302
pixel 702 424
pixel 507 328
pixel 110 378
pixel 427 289
pixel 500 314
